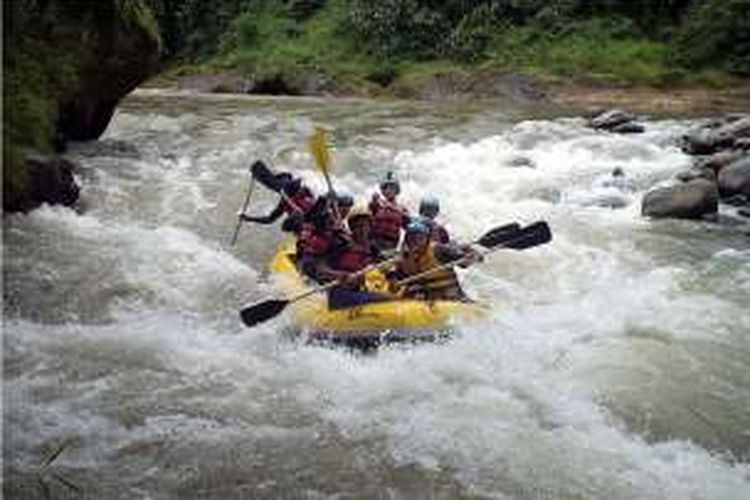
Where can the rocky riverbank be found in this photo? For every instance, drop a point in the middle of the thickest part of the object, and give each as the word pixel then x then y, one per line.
pixel 66 68
pixel 478 85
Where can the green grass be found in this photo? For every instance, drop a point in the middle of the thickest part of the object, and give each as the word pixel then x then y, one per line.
pixel 270 42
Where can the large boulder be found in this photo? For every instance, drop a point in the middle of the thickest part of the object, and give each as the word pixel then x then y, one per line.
pixel 617 121
pixel 689 200
pixel 50 180
pixel 716 136
pixel 70 65
pixel 126 54
pixel 735 178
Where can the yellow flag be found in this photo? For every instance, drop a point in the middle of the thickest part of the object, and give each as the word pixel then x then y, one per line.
pixel 319 148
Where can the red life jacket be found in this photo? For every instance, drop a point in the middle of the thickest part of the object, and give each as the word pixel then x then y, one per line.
pixel 439 234
pixel 354 258
pixel 312 242
pixel 387 220
pixel 302 200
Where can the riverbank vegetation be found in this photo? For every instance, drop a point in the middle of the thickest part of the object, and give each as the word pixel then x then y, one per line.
pixel 376 42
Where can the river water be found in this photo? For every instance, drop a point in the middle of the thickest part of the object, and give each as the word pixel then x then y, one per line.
pixel 615 363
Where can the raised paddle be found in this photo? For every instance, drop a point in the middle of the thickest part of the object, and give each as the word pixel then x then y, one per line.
pixel 532 235
pixel 267 309
pixel 244 208
pixel 265 176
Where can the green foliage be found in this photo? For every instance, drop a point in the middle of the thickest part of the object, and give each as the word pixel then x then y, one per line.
pixel 49 48
pixel 604 48
pixel 716 35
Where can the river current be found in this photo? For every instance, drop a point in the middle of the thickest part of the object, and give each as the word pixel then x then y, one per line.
pixel 614 365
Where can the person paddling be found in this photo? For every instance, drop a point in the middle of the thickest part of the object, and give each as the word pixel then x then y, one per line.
pixel 344 262
pixel 296 198
pixel 429 208
pixel 320 234
pixel 388 216
pixel 419 254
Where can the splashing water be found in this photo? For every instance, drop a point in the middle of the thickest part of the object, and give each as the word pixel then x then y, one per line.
pixel 615 364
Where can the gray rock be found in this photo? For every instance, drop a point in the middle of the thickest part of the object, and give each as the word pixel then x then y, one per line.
pixel 521 161
pixel 737 200
pixel 628 128
pixel 735 178
pixel 697 173
pixel 690 200
pixel 610 119
pixel 716 136
pixel 719 160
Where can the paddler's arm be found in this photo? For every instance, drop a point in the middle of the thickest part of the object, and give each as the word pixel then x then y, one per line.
pixel 275 214
pixel 325 270
pixel 450 252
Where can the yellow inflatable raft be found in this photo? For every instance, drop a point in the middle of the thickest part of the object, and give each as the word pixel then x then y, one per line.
pixel 398 319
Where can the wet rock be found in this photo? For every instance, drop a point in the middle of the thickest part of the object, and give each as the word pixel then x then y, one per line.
pixel 716 136
pixel 742 144
pixel 521 161
pixel 690 200
pixel 735 178
pixel 697 173
pixel 617 121
pixel 719 160
pixel 628 128
pixel 738 200
pixel 618 172
pixel 50 180
pixel 745 212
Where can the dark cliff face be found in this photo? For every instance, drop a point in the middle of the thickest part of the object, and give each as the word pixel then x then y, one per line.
pixel 67 64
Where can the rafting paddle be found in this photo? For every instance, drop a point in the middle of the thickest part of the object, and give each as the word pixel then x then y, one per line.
pixel 244 209
pixel 267 309
pixel 532 235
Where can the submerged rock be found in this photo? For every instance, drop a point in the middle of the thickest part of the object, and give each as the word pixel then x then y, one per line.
pixel 690 200
pixel 521 161
pixel 735 178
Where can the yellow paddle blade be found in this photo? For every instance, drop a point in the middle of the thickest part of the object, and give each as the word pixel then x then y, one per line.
pixel 318 146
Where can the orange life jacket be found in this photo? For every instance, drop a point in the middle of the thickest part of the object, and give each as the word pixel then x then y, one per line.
pixel 440 284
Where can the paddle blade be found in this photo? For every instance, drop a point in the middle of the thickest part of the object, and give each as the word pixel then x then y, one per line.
pixel 532 235
pixel 263 311
pixel 265 176
pixel 318 147
pixel 499 235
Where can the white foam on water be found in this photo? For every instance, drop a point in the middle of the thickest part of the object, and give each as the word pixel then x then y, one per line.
pixel 514 408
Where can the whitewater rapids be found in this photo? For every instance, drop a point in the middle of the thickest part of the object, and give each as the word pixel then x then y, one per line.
pixel 615 364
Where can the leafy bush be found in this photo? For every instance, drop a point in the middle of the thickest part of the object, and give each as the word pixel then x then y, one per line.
pixel 716 34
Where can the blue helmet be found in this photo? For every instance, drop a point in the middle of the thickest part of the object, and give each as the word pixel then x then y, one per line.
pixel 429 207
pixel 417 227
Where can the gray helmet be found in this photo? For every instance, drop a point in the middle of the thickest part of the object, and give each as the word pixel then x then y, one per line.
pixel 429 207
pixel 390 180
pixel 345 200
